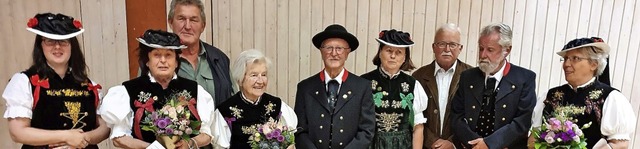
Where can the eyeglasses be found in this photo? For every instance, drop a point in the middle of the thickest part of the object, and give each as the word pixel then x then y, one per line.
pixel 451 45
pixel 338 50
pixel 51 42
pixel 573 59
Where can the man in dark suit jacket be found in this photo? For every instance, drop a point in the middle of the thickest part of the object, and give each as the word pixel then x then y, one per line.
pixel 494 102
pixel 334 107
pixel 440 81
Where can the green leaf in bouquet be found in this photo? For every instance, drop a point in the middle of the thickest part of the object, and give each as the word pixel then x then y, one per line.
pixel 149 128
pixel 195 124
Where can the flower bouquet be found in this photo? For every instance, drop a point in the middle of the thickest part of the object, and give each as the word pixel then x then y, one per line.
pixel 560 131
pixel 271 135
pixel 172 122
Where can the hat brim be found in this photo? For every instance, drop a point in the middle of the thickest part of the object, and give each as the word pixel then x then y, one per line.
pixel 320 37
pixel 393 45
pixel 55 36
pixel 600 45
pixel 160 46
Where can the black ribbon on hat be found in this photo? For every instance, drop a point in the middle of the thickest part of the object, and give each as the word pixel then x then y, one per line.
pixel 161 38
pixel 58 24
pixel 395 37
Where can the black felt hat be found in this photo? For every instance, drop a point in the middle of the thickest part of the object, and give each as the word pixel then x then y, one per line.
pixel 395 38
pixel 161 39
pixel 55 26
pixel 596 42
pixel 335 31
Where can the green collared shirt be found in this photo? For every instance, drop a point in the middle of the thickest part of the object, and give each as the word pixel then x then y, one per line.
pixel 202 73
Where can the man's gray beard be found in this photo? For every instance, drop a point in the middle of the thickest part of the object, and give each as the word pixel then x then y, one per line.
pixel 487 68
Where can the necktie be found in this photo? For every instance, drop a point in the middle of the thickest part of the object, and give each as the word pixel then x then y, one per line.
pixel 489 90
pixel 333 92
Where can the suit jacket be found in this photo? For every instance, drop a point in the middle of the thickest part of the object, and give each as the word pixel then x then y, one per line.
pixel 219 64
pixel 515 100
pixel 425 76
pixel 352 123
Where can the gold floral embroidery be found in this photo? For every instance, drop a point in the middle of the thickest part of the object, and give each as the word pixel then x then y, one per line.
pixel 68 93
pixel 236 112
pixel 143 97
pixel 374 83
pixel 405 87
pixel 249 130
pixel 385 104
pixel 269 107
pixel 73 113
pixel 396 104
pixel 558 95
pixel 388 121
pixel 595 94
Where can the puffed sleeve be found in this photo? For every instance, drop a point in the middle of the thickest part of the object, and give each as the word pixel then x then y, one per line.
pixel 536 119
pixel 618 118
pixel 205 109
pixel 18 96
pixel 288 115
pixel 420 101
pixel 116 111
pixel 223 132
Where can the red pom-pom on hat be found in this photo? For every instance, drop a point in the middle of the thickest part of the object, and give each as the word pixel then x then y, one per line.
pixel 77 24
pixel 32 22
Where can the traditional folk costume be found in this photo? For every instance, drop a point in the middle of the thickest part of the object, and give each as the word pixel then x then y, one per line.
pixel 126 105
pixel 399 99
pixel 52 102
pixel 237 118
pixel 606 108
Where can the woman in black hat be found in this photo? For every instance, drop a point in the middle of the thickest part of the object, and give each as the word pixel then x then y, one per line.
pixel 606 108
pixel 126 106
pixel 54 103
pixel 399 99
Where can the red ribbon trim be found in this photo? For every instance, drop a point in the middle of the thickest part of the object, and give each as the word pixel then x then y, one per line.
pixel 95 88
pixel 147 106
pixel 192 108
pixel 35 81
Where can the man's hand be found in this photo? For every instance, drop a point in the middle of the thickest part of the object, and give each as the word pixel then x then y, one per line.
pixel 442 144
pixel 478 144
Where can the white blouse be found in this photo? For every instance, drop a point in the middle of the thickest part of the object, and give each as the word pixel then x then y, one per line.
pixel 223 132
pixel 19 97
pixel 618 119
pixel 420 101
pixel 117 113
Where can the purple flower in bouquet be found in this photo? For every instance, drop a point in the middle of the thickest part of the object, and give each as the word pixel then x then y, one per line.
pixel 568 125
pixel 188 131
pixel 563 136
pixel 163 123
pixel 550 137
pixel 554 124
pixel 280 138
pixel 277 132
pixel 154 115
pixel 169 131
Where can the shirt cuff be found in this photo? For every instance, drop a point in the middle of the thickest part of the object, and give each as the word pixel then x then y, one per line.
pixel 119 131
pixel 17 111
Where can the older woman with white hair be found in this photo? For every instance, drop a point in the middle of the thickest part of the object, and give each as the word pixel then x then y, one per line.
pixel 606 108
pixel 251 106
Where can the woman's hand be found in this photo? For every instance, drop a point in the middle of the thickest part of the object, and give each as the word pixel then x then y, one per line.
pixel 183 144
pixel 76 138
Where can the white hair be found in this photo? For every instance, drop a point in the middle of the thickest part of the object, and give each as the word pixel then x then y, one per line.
pixel 449 27
pixel 239 67
pixel 599 58
pixel 504 30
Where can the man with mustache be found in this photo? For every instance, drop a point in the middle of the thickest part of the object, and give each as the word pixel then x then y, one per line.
pixel 440 81
pixel 493 105
pixel 200 61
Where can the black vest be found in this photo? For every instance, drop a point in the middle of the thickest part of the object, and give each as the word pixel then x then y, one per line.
pixel 388 94
pixel 241 115
pixel 591 96
pixel 64 105
pixel 143 87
